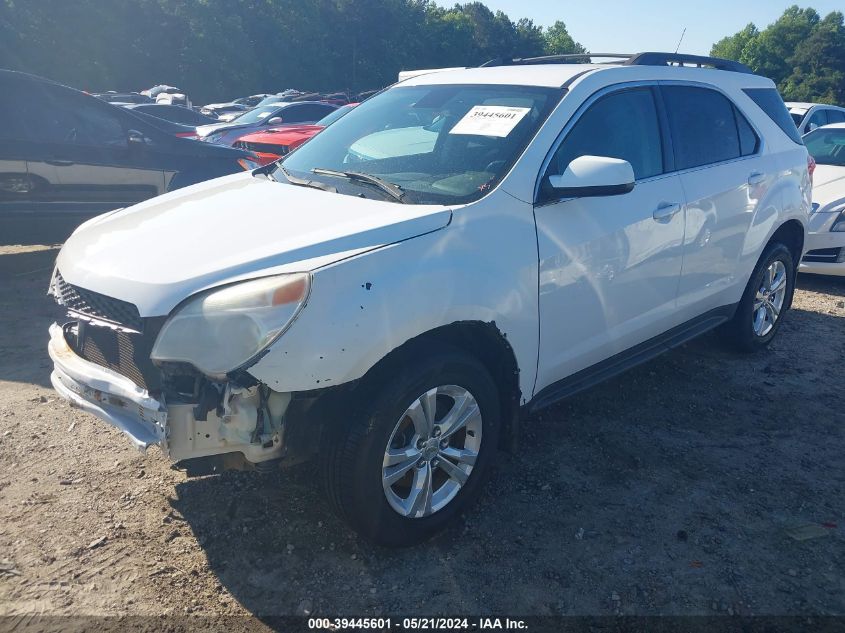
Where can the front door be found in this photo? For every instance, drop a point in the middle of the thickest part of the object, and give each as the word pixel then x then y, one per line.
pixel 609 265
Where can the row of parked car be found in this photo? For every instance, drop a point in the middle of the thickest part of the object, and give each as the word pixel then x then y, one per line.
pixel 61 148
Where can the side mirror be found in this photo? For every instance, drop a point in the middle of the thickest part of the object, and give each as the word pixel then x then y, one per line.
pixel 594 176
pixel 276 120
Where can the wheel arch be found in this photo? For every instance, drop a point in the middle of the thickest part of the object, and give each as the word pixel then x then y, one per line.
pixel 483 341
pixel 791 234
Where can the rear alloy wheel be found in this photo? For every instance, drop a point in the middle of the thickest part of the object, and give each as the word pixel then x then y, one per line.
pixel 769 300
pixel 767 297
pixel 418 447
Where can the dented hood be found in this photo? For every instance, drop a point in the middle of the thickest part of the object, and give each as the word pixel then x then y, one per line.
pixel 161 251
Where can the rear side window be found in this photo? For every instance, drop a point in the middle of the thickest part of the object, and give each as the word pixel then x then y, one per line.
pixel 835 116
pixel 770 102
pixel 748 141
pixel 703 124
pixel 621 125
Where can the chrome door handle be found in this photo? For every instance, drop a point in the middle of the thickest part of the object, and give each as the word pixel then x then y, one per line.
pixel 756 179
pixel 666 211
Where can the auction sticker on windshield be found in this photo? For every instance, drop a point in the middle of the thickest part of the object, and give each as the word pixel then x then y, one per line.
pixel 490 120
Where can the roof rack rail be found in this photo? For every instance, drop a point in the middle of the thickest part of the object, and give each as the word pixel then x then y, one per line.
pixel 699 61
pixel 630 59
pixel 569 58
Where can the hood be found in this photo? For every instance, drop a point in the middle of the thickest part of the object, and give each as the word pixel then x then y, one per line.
pixel 161 251
pixel 828 185
pixel 283 135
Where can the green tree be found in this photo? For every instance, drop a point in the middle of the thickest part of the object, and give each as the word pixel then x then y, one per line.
pixel 802 53
pixel 732 47
pixel 560 42
pixel 819 64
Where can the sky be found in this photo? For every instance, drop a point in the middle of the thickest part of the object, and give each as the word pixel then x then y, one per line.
pixel 617 26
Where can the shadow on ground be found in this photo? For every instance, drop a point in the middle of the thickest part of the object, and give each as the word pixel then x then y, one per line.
pixel 667 490
pixel 26 313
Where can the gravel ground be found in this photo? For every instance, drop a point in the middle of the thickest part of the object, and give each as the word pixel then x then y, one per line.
pixel 703 482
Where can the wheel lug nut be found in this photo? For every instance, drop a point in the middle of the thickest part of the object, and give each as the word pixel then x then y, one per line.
pixel 437 431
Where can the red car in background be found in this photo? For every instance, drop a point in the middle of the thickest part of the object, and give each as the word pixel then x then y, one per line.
pixel 270 145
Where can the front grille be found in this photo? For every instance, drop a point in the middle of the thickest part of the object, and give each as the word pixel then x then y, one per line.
pixel 127 353
pixel 93 304
pixel 264 148
pixel 829 255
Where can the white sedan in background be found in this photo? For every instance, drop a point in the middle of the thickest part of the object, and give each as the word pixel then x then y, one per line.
pixel 826 240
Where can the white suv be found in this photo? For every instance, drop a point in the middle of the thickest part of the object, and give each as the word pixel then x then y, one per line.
pixel 464 247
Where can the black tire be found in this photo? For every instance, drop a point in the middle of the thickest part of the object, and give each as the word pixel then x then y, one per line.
pixel 739 331
pixel 355 447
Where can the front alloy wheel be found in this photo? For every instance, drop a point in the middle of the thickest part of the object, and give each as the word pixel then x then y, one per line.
pixel 414 448
pixel 432 451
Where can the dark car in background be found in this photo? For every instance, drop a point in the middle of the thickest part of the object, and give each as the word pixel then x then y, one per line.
pixel 264 117
pixel 59 147
pixel 172 113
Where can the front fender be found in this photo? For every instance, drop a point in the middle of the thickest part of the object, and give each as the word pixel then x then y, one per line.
pixel 482 267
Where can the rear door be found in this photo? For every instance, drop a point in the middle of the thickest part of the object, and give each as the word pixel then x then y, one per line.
pixel 724 177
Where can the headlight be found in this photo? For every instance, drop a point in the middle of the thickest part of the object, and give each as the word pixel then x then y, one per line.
pixel 839 224
pixel 221 330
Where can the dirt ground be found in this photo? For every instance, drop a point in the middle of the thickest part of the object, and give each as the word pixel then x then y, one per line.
pixel 704 482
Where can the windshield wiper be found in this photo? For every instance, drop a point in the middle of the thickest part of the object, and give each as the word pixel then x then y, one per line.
pixel 301 182
pixel 388 187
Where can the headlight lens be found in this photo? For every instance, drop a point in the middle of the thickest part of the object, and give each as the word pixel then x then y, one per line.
pixel 223 329
pixel 839 224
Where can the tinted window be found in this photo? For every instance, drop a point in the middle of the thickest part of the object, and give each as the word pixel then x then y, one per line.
pixel 817 119
pixel 827 146
pixel 770 102
pixel 748 141
pixel 704 129
pixel 51 114
pixel 621 125
pixel 302 113
pixel 835 116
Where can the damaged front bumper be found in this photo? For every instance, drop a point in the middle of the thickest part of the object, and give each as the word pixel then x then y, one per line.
pixel 243 428
pixel 108 395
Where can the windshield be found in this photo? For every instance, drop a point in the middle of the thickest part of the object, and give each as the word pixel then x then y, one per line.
pixel 827 146
pixel 797 117
pixel 443 144
pixel 255 115
pixel 334 116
